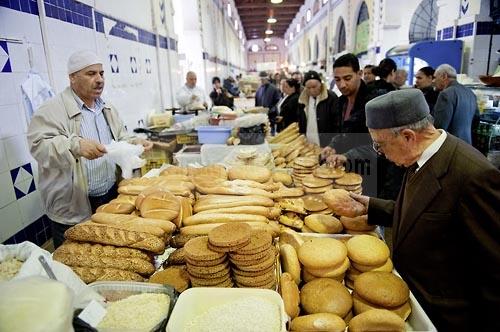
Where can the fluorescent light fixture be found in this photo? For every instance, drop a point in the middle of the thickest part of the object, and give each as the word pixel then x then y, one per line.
pixel 269 32
pixel 267 39
pixel 229 13
pixel 286 42
pixel 308 15
pixel 255 48
pixel 298 27
pixel 291 36
pixel 240 34
pixel 236 25
pixel 271 20
pixel 276 1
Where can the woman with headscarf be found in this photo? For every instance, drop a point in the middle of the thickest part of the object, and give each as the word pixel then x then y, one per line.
pixel 288 105
pixel 424 78
pixel 386 71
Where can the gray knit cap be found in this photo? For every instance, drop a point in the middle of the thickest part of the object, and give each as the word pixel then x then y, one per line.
pixel 396 108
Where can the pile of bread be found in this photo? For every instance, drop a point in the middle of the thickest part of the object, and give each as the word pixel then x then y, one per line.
pixel 250 156
pixel 289 144
pixel 321 267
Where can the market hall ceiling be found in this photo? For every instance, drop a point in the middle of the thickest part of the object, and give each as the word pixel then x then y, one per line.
pixel 254 15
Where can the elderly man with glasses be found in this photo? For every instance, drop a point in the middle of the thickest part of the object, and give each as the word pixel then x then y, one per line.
pixel 445 221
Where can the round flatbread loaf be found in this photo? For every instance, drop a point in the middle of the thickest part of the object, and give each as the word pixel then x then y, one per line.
pixel 326 172
pixel 349 179
pixel 325 295
pixel 306 162
pixel 230 235
pixel 314 203
pixel 321 223
pixel 291 237
pixel 318 322
pixel 377 320
pixel 313 182
pixel 367 250
pixel 330 272
pixel 382 288
pixel 360 305
pixel 342 204
pixel 319 253
pixel 386 267
pixel 197 250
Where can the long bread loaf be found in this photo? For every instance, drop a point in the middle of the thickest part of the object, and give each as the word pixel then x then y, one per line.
pixel 113 219
pixel 136 265
pixel 224 201
pixel 89 275
pixel 98 233
pixel 89 249
pixel 153 230
pixel 210 218
pixel 256 210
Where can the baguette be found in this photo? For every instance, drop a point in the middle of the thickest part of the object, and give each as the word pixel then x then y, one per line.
pixel 117 219
pixel 223 201
pixel 76 248
pixel 104 234
pixel 233 190
pixel 203 229
pixel 136 265
pixel 210 218
pixel 91 274
pixel 153 230
pixel 116 207
pixel 255 210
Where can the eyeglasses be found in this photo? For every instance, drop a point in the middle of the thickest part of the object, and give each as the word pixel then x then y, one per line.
pixel 377 146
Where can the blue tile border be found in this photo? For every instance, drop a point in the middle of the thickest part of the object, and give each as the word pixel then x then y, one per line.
pixel 214 59
pixel 487 28
pixel 123 30
pixel 37 232
pixel 448 33
pixel 70 11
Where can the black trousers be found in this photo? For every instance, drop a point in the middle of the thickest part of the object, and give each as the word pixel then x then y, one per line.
pixel 58 229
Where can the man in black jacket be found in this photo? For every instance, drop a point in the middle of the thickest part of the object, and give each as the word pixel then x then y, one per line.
pixel 316 110
pixel 267 95
pixel 351 144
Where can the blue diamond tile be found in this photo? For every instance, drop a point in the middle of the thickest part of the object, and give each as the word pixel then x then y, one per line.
pixel 13 174
pixel 19 193
pixel 32 187
pixel 28 168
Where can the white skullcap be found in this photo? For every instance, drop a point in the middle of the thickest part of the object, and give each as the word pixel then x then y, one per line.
pixel 81 59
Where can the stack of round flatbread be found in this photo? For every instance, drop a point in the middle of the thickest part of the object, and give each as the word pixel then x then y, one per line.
pixel 366 253
pixel 350 182
pixel 315 185
pixel 206 267
pixel 323 258
pixel 381 290
pixel 254 264
pixel 303 166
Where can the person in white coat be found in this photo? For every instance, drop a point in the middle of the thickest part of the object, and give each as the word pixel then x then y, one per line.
pixel 189 96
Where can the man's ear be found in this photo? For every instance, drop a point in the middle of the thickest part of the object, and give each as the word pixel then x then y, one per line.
pixel 408 134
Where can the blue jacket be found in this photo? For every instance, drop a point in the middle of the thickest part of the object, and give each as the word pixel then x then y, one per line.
pixel 455 109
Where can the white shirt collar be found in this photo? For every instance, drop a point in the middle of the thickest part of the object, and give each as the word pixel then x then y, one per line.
pixel 431 149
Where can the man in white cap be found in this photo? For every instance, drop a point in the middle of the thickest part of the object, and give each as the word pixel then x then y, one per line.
pixel 67 137
pixel 445 221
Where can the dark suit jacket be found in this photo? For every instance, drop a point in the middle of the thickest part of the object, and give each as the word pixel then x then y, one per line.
pixel 268 95
pixel 455 110
pixel 446 237
pixel 289 110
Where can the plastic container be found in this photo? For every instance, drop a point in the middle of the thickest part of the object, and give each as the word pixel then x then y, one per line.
pixel 117 290
pixel 182 117
pixel 213 134
pixel 196 301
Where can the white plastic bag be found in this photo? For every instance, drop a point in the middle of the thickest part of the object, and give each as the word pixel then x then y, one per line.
pixel 126 156
pixel 35 304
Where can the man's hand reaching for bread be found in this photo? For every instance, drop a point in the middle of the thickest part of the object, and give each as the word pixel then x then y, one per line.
pixel 365 200
pixel 90 149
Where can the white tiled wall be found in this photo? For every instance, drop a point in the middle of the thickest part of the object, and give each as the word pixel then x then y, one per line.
pixel 133 94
